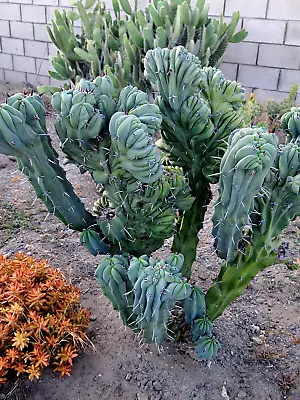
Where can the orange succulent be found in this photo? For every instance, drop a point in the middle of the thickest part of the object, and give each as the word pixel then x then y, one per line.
pixel 41 322
pixel 20 340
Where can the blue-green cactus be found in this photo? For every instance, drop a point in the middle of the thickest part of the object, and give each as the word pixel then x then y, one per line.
pixel 200 108
pixel 144 292
pixel 290 122
pixel 244 167
pixel 117 44
pixel 149 192
pixel 273 206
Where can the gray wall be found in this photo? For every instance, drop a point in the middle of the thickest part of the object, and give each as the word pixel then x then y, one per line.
pixel 269 59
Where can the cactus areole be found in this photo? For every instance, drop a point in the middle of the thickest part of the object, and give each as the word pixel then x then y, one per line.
pixel 151 191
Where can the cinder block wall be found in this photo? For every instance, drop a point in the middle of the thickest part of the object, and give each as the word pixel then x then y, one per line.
pixel 269 59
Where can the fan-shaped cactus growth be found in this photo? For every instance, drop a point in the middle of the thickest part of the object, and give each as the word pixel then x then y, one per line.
pixel 117 44
pixel 149 192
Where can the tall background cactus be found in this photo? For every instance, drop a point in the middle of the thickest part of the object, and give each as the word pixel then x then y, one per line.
pixel 117 43
pixel 152 191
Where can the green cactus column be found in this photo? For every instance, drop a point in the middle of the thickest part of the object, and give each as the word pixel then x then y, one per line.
pixel 235 276
pixel 189 224
pixel 23 135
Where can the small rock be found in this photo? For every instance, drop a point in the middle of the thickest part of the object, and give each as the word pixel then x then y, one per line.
pixel 255 329
pixel 156 386
pixel 138 383
pixel 3 165
pixel 93 318
pixel 128 376
pixel 144 382
pixel 142 396
pixel 139 356
pixel 224 393
pixel 256 340
pixel 241 394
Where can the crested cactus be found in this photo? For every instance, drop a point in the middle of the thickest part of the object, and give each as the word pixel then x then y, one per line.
pixel 117 44
pixel 200 108
pixel 150 191
pixel 147 289
pixel 274 204
pixel 290 122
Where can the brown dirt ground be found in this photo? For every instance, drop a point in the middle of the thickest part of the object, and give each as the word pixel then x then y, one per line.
pixel 260 333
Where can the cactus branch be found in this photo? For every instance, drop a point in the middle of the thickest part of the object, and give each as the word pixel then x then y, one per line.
pixel 189 224
pixel 235 276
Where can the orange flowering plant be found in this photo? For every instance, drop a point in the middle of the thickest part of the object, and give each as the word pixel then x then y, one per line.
pixel 41 321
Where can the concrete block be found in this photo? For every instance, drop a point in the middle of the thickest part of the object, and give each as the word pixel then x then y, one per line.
pixel 37 80
pixel 216 7
pixel 6 61
pixel 24 64
pixel 36 49
pixel 241 53
pixel 22 30
pixel 293 33
pixel 40 33
pixel 10 12
pixel 142 4
pixel 229 71
pixel 52 50
pixel 263 96
pixel 279 56
pixel 77 30
pixel 47 2
pixel 64 3
pixel 33 13
pixel 253 9
pixel 258 77
pixel 14 76
pixel 287 79
pixel 21 1
pixel 12 46
pixel 43 66
pixel 77 24
pixel 287 10
pixel 4 28
pixel 1 74
pixel 264 31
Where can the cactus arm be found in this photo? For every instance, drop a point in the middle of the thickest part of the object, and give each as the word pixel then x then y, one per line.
pixel 244 167
pixel 39 161
pixel 277 203
pixel 235 276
